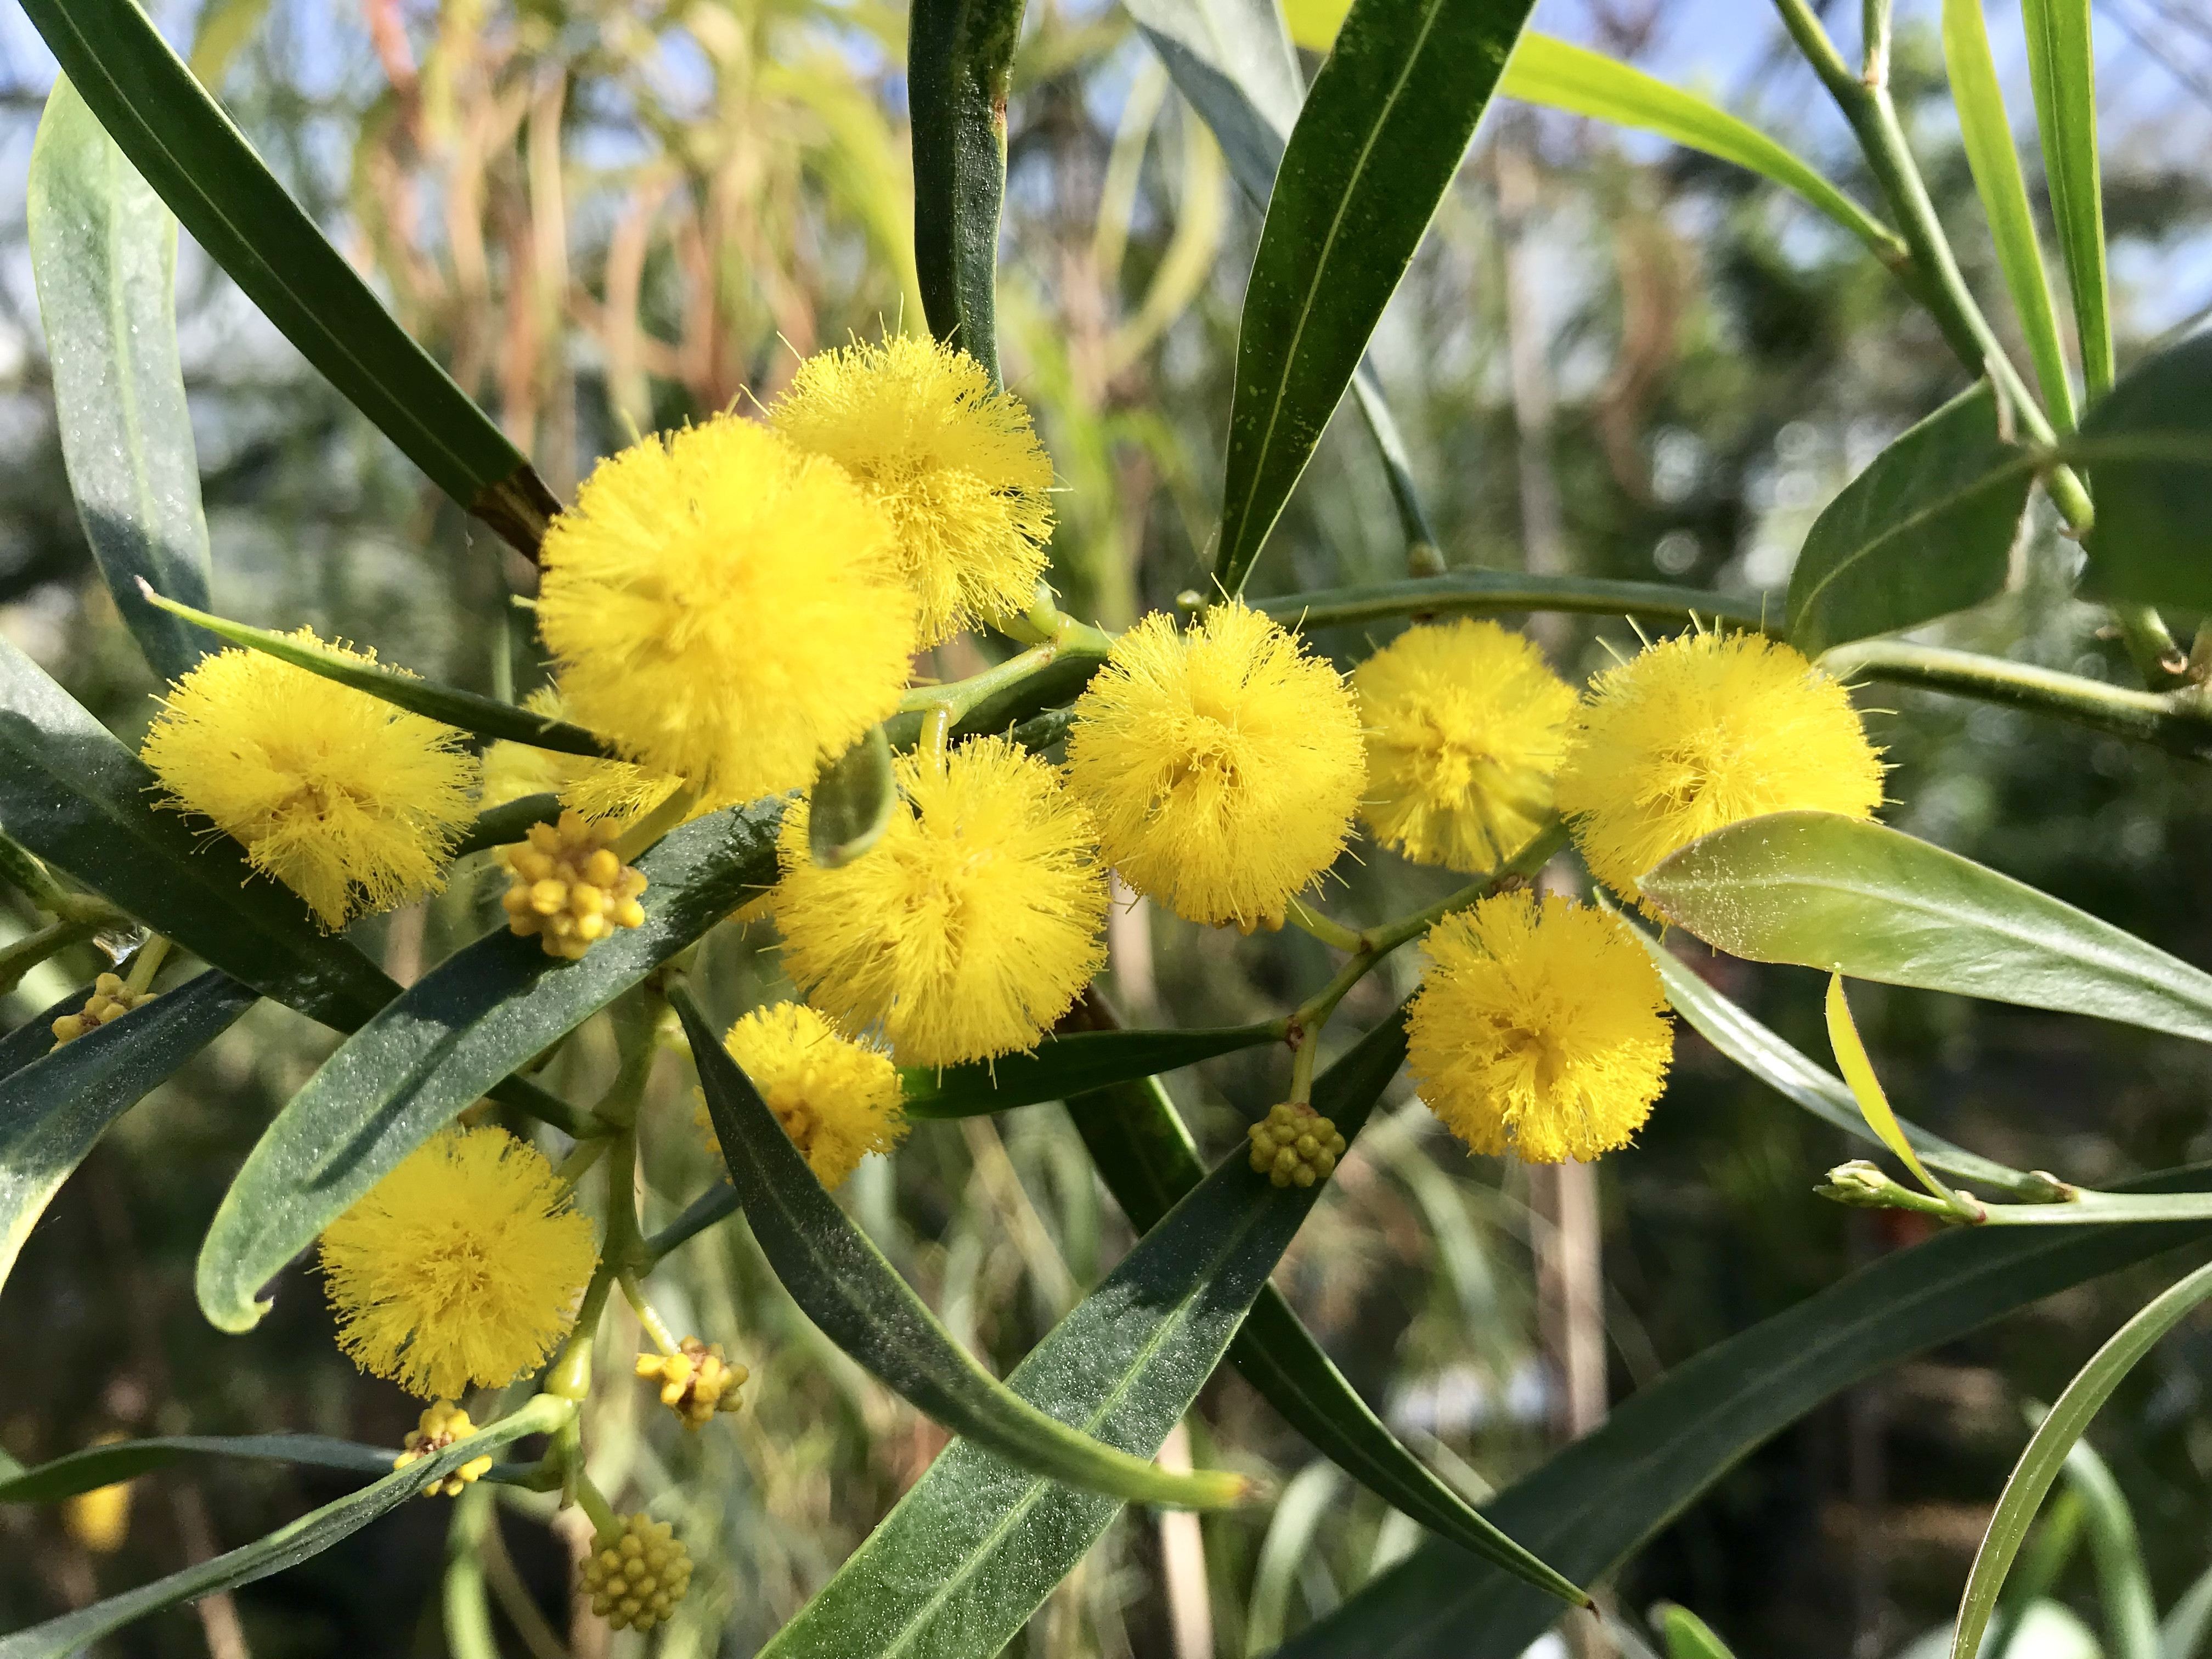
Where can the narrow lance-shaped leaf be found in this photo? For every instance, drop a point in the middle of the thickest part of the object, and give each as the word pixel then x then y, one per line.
pixel 850 804
pixel 960 59
pixel 2047 1449
pixel 287 1546
pixel 2062 67
pixel 1687 1636
pixel 1873 902
pixel 1866 1088
pixel 1592 1506
pixel 1927 529
pixel 1559 75
pixel 201 165
pixel 126 1460
pixel 480 1014
pixel 54 1109
pixel 1378 141
pixel 1980 100
pixel 466 711
pixel 1070 1063
pixel 104 256
pixel 841 1281
pixel 2148 446
pixel 975 1546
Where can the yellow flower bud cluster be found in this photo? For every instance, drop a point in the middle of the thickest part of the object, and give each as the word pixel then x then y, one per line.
pixel 1295 1146
pixel 695 1382
pixel 111 998
pixel 567 885
pixel 637 1574
pixel 442 1423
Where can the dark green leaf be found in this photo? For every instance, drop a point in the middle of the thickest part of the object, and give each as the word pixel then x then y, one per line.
pixel 1811 1085
pixel 1067 1064
pixel 53 1110
pixel 2062 66
pixel 841 1281
pixel 960 57
pixel 125 1460
pixel 1593 1504
pixel 104 255
pixel 288 1546
pixel 201 165
pixel 1871 902
pixel 505 824
pixel 2149 448
pixel 975 1545
pixel 1496 592
pixel 1927 529
pixel 34 1038
pixel 454 1033
pixel 1380 137
pixel 467 711
pixel 850 805
pixel 85 803
pixel 1149 1161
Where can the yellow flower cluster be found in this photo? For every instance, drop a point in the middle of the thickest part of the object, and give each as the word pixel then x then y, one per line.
pixel 111 998
pixel 462 1266
pixel 442 1423
pixel 695 1382
pixel 637 1575
pixel 837 1099
pixel 568 886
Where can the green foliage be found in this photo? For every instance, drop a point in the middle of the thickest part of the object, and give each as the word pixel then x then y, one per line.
pixel 2149 448
pixel 850 805
pixel 1068 1064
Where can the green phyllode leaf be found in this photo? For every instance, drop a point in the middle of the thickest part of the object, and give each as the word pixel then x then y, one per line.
pixel 1380 137
pixel 1987 129
pixel 1149 1161
pixel 466 711
pixel 2062 66
pixel 54 1109
pixel 104 256
pixel 125 1460
pixel 850 805
pixel 1559 75
pixel 2148 446
pixel 1866 1088
pixel 1926 530
pixel 448 1038
pixel 841 1281
pixel 960 60
pixel 1687 1636
pixel 2054 1439
pixel 1067 1064
pixel 1593 1505
pixel 288 1546
pixel 1872 902
pixel 201 165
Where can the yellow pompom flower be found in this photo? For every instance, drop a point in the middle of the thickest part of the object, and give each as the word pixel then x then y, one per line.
pixel 971 926
pixel 1540 1027
pixel 837 1099
pixel 609 790
pixel 461 1267
pixel 1464 726
pixel 726 608
pixel 351 803
pixel 951 459
pixel 1701 731
pixel 1222 764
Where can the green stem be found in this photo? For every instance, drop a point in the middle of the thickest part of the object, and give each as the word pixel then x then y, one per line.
pixel 147 964
pixel 24 871
pixel 584 1154
pixel 1874 18
pixel 504 825
pixel 594 1504
pixel 1058 636
pixel 647 1316
pixel 569 1376
pixel 34 948
pixel 1307 920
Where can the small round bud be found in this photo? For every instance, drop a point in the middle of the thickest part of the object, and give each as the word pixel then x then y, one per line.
pixel 637 1574
pixel 1293 1146
pixel 695 1382
pixel 569 887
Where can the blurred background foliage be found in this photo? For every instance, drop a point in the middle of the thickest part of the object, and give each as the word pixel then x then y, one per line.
pixel 1610 357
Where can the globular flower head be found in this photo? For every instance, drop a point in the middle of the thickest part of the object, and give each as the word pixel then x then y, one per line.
pixel 462 1266
pixel 567 887
pixel 726 608
pixel 837 1099
pixel 351 803
pixel 697 1382
pixel 1222 764
pixel 1294 1145
pixel 636 1574
pixel 1465 725
pixel 950 458
pixel 1701 731
pixel 611 791
pixel 973 923
pixel 1539 1027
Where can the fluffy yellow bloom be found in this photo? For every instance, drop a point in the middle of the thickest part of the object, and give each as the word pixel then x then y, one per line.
pixel 1222 764
pixel 350 802
pixel 837 1099
pixel 462 1266
pixel 726 608
pixel 954 462
pixel 602 790
pixel 1699 732
pixel 1465 725
pixel 1539 1027
pixel 971 926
